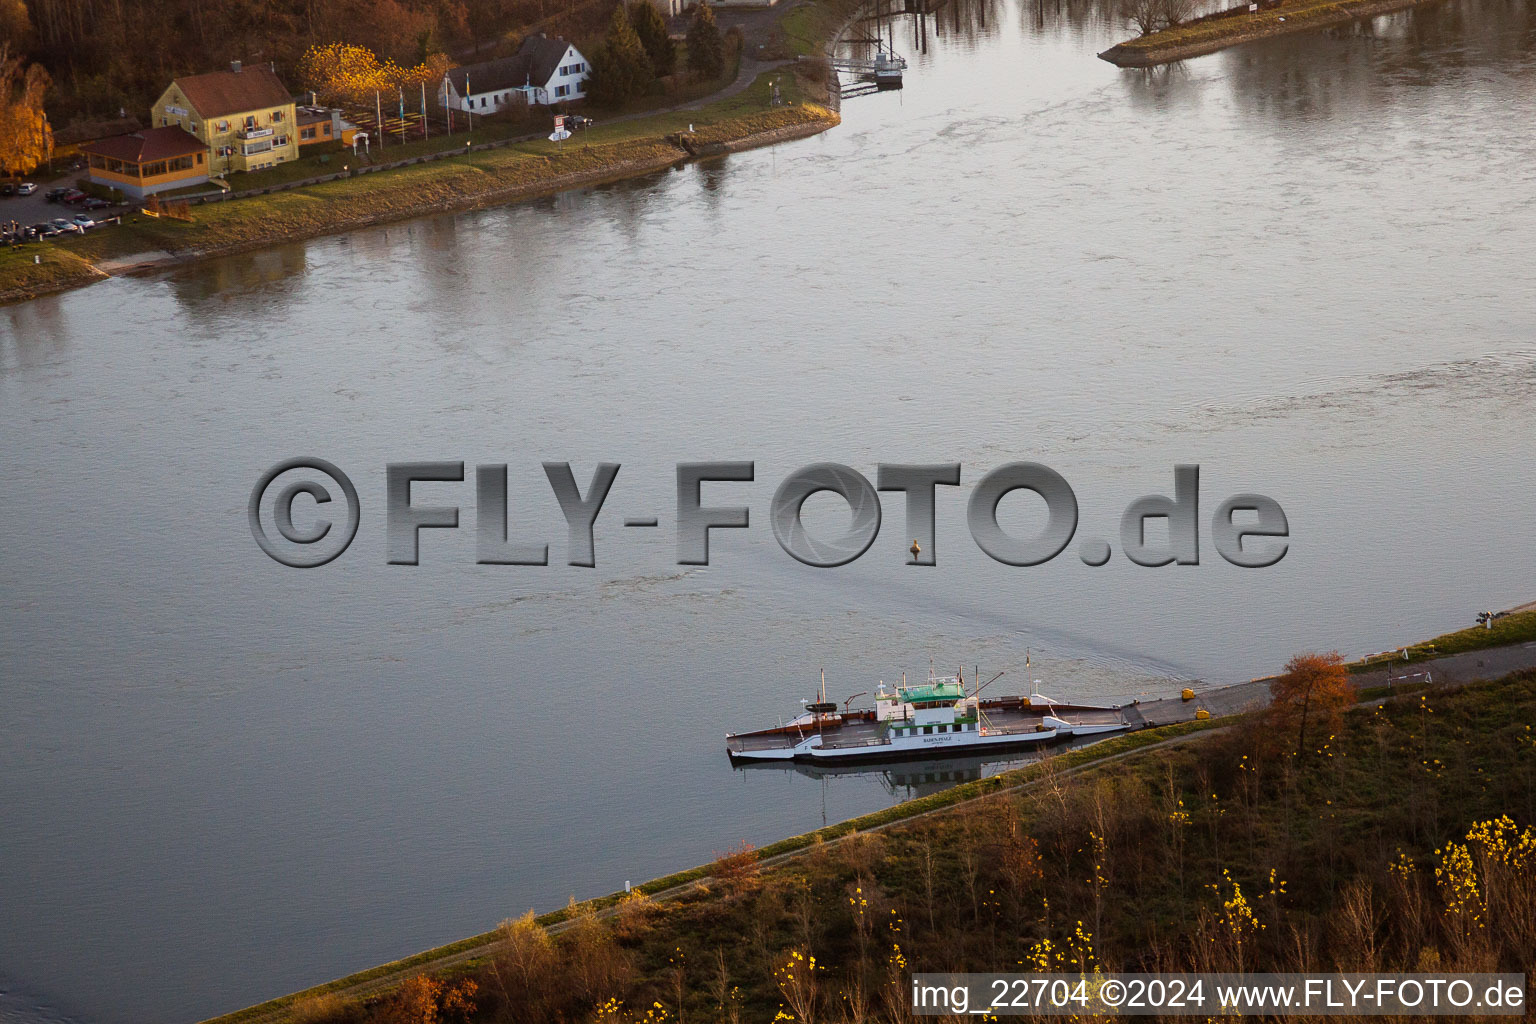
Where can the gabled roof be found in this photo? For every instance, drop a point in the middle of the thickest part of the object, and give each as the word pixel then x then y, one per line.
pixel 218 93
pixel 145 146
pixel 533 64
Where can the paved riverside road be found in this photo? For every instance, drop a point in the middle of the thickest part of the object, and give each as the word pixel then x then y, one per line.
pixel 1228 700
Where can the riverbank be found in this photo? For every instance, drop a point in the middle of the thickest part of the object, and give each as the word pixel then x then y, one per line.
pixel 1264 811
pixel 1158 724
pixel 1199 38
pixel 475 180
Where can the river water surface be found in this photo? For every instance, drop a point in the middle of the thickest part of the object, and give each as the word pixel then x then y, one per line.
pixel 1304 264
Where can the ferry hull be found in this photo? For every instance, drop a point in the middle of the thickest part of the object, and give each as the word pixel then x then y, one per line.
pixel 814 749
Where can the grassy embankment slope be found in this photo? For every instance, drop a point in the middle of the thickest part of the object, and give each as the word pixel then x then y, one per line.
pixel 478 948
pixel 1514 628
pixel 1219 851
pixel 607 152
pixel 1183 42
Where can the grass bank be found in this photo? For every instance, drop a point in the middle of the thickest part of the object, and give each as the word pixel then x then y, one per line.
pixel 1515 628
pixel 39 269
pixel 1199 38
pixel 523 170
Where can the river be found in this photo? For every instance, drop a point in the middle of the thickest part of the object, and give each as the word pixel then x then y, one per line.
pixel 1303 264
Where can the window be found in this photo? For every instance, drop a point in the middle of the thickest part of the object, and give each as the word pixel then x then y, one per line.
pixel 927 730
pixel 306 133
pixel 482 102
pixel 277 115
pixel 562 90
pixel 223 126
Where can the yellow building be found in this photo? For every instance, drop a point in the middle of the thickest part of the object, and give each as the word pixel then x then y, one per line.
pixel 149 161
pixel 244 115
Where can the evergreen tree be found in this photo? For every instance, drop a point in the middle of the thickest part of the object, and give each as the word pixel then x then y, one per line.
pixel 621 70
pixel 651 27
pixel 706 50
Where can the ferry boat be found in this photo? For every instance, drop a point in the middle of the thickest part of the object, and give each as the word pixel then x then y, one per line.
pixel 937 718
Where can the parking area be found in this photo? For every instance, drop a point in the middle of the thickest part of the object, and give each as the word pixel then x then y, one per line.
pixel 23 211
pixel 28 209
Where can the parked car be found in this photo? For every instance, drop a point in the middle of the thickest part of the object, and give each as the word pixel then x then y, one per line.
pixel 576 122
pixel 77 198
pixel 7 189
pixel 70 195
pixel 26 188
pixel 53 195
pixel 61 225
pixel 44 230
pixel 97 204
pixel 84 222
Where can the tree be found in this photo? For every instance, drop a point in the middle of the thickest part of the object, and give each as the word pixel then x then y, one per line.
pixel 15 23
pixel 1146 15
pixel 621 70
pixel 347 72
pixel 706 50
pixel 651 27
pixel 423 1000
pixel 524 959
pixel 1150 15
pixel 25 137
pixel 1313 691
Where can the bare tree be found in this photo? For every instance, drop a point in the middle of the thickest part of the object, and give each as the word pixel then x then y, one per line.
pixel 1177 12
pixel 1146 15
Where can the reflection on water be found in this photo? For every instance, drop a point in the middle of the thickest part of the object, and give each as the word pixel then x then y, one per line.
pixel 905 780
pixel 247 286
pixel 1302 264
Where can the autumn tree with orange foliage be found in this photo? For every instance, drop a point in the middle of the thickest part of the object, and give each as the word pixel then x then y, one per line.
pixel 1312 692
pixel 342 71
pixel 25 138
pixel 424 1000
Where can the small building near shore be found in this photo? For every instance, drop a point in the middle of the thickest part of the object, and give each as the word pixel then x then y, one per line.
pixel 542 72
pixel 323 124
pixel 145 162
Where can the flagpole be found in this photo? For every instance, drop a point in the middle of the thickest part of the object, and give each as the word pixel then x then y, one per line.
pixel 426 129
pixel 378 113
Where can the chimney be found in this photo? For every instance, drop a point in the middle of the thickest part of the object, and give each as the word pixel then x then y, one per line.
pixel 234 66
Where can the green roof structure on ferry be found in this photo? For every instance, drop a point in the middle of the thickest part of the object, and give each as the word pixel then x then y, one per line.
pixel 940 690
